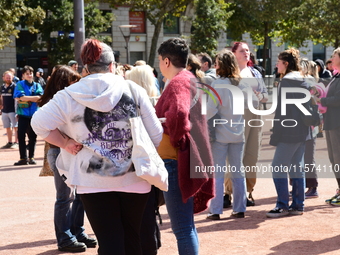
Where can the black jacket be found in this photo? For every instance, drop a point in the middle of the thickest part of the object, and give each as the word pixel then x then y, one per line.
pixel 291 134
pixel 332 101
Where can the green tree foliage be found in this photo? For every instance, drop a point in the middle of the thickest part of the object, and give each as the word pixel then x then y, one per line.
pixel 156 11
pixel 59 17
pixel 260 18
pixel 209 22
pixel 10 12
pixel 316 20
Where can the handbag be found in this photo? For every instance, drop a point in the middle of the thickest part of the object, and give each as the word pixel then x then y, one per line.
pixel 147 162
pixel 315 118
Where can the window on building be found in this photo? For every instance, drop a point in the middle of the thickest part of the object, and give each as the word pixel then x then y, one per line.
pixel 171 25
pixel 319 52
pixel 136 55
pixel 138 19
pixel 229 39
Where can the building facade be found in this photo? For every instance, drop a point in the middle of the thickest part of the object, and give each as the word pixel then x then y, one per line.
pixel 139 43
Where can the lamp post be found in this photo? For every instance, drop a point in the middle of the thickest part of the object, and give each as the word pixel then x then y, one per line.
pixel 126 36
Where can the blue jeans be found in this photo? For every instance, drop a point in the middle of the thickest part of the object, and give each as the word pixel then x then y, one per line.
pixel 289 157
pixel 181 214
pixel 234 153
pixel 68 220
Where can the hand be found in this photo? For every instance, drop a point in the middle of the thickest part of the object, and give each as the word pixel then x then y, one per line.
pixel 318 100
pixel 73 146
pixel 259 95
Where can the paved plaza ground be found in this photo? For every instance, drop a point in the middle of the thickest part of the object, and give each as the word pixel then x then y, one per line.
pixel 26 215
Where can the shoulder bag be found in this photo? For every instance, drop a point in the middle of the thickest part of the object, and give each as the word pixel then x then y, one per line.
pixel 315 118
pixel 147 162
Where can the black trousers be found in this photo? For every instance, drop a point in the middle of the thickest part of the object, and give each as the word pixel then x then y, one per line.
pixel 116 218
pixel 150 234
pixel 24 127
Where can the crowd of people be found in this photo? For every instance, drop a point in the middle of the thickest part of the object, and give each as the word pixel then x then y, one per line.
pixel 84 119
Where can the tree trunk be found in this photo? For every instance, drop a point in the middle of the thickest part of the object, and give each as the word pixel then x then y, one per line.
pixel 336 43
pixel 265 46
pixel 154 41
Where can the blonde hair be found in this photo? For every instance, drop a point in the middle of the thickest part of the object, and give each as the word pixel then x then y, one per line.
pixel 313 70
pixel 337 51
pixel 140 63
pixel 144 77
pixel 8 72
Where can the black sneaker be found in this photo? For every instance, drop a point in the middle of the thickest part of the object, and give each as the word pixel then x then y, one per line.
pixel 295 211
pixel 226 201
pixel 237 214
pixel 7 146
pixel 75 247
pixel 213 216
pixel 89 242
pixel 319 135
pixel 250 203
pixel 277 212
pixel 31 161
pixel 21 162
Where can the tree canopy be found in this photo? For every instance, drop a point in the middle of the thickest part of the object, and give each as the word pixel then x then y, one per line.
pixel 59 18
pixel 316 20
pixel 156 11
pixel 11 11
pixel 209 22
pixel 260 19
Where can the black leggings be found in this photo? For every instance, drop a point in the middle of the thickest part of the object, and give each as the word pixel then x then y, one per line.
pixel 24 127
pixel 115 218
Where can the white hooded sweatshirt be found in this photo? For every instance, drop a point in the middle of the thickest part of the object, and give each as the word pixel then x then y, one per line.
pixel 95 112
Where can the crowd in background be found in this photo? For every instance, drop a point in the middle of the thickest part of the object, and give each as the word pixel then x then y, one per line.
pixel 75 113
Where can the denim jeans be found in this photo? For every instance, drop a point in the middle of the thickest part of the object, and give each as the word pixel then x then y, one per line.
pixel 289 157
pixel 181 214
pixel 234 153
pixel 68 209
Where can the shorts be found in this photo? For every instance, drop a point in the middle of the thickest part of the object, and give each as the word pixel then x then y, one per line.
pixel 9 120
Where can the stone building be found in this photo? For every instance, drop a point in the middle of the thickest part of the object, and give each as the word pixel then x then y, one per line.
pixel 140 42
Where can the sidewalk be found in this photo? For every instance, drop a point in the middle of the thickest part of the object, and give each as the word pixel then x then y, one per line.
pixel 27 200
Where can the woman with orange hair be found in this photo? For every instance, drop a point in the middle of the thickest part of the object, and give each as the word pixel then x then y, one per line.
pixel 89 121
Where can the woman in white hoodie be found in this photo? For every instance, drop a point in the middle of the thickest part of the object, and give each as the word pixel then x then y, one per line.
pixel 89 121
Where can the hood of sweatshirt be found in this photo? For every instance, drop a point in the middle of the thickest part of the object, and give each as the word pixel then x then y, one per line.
pixel 320 63
pixel 100 92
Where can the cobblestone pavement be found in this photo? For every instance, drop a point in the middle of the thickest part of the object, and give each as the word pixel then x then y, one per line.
pixel 26 215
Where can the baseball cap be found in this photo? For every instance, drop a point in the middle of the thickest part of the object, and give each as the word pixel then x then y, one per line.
pixel 72 62
pixel 40 70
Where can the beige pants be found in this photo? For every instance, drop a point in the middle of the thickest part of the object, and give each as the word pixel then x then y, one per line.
pixel 252 146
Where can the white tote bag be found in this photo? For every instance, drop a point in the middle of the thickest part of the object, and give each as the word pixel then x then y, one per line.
pixel 147 162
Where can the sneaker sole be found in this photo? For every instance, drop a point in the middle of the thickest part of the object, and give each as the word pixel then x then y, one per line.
pixel 295 213
pixel 277 215
pixel 306 197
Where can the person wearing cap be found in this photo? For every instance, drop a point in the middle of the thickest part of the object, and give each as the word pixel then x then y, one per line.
pixel 39 77
pixel 73 64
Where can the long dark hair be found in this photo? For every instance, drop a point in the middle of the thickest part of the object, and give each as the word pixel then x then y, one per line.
pixel 292 57
pixel 62 77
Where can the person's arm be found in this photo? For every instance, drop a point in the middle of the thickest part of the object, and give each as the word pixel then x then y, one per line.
pixel 150 120
pixel 63 141
pixel 263 94
pixel 29 98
